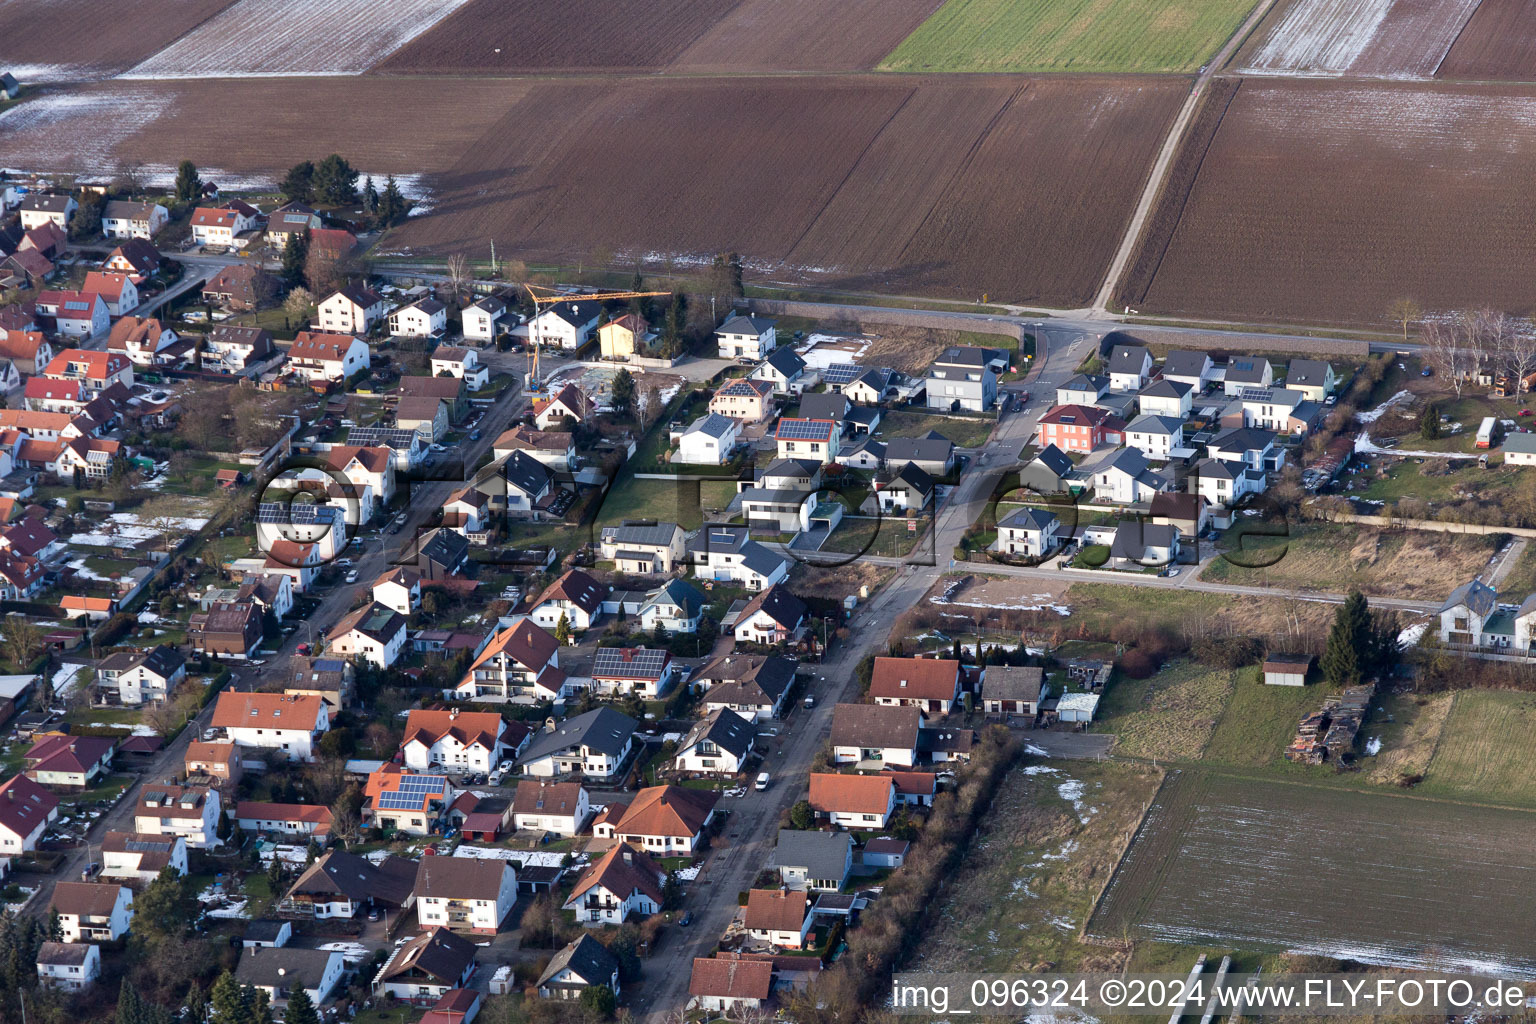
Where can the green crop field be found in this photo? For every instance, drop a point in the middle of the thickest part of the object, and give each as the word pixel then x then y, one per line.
pixel 1150 36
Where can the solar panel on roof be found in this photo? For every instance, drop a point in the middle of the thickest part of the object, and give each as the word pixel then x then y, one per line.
pixel 802 430
pixel 841 373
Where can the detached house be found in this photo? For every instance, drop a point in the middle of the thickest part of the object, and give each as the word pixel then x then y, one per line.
pixel 315 356
pixel 780 917
pixel 785 370
pixel 621 883
pixel 76 314
pixel 583 964
pixel 236 349
pixel 1316 379
pixel 964 378
pixel 1080 428
pixel 1247 372
pixel 1129 367
pixel 291 220
pixel 521 661
pixel 117 290
pixel 674 607
pixel 1011 689
pixel 92 911
pixel 931 685
pixel 744 336
pixel 853 801
pixel 465 893
pixel 1124 476
pixel 744 399
pixel 1466 613
pixel 707 441
pixel 482 320
pixel 1139 544
pixel 142 340
pixel 280 971
pixel 1166 397
pixel 568 402
pixel 136 258
pixel 273 721
pixel 877 735
pixel 1030 532
pixel 553 449
pixel 372 633
pixel 71 966
pixel 191 812
pixel 140 857
pixel 351 309
pixel 595 745
pixel 220 225
pixel 812 440
pixel 565 325
pixel 424 318
pixel 818 861
pixel 1192 368
pixel 718 744
pixel 774 616
pixel 466 740
pixel 226 629
pixel 558 807
pixel 463 363
pixel 340 884
pixel 622 338
pixel 729 985
pixel 662 820
pixel 641 548
pixel 751 685
pixel 26 809
pixel 38 208
pixel 239 288
pixel 70 762
pixel 637 670
pixel 1155 436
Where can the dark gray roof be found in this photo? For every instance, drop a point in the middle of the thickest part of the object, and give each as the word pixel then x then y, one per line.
pixel 438 953
pixel 1277 396
pixel 629 534
pixel 1134 536
pixel 604 730
pixel 1166 388
pixel 586 958
pixel 966 355
pixel 1523 444
pixel 869 444
pixel 42 202
pixel 163 660
pixel 286 967
pixel 1244 439
pixel 1012 682
pixel 1027 519
pixel 782 606
pixel 446 547
pixel 64 954
pixel 577 314
pixel 1127 460
pixel 865 416
pixel 358 879
pixel 264 929
pixel 1087 382
pixel 761 560
pixel 822 854
pixel 875 725
pixel 1475 594
pixel 1245 370
pixel 1055 460
pixel 1150 424
pixel 745 324
pixel 918 449
pixel 1307 371
pixel 1128 359
pixel 824 406
pixel 720 538
pixel 526 473
pixel 728 730
pixel 395 438
pixel 786 360
pixel 713 424
pixel 915 477
pixel 750 677
pixel 1216 469
pixel 681 594
pixel 790 467
pixel 1182 363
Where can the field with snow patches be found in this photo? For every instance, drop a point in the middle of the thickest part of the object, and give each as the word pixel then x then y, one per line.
pixel 1381 38
pixel 254 38
pixel 1274 866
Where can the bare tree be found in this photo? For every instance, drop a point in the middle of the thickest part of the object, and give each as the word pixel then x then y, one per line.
pixel 459 276
pixel 162 514
pixel 345 823
pixel 23 640
pixel 1404 311
pixel 163 717
pixel 1448 347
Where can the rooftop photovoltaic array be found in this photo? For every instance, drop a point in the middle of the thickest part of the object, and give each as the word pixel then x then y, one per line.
pixel 373 437
pixel 641 664
pixel 841 373
pixel 803 430
pixel 413 789
pixel 298 512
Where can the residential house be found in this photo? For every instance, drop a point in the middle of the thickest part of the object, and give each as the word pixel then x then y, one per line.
pixel 289 221
pixel 813 440
pixel 219 225
pixel 863 802
pixel 138 677
pixel 575 596
pixel 398 589
pixel 1465 615
pixel 643 548
pixel 663 821
pixel 720 743
pixel 779 917
pixel 76 314
pixel 28 350
pixel 44 394
pixel 465 893
pixel 674 607
pixel 622 882
pixel 226 629
pixel 39 208
pixel 527 487
pixel 963 378
pixel 583 964
pixel 933 453
pixel 931 685
pixel 914 789
pixel 26 809
pixel 284 821
pixel 865 453
pixel 69 762
pixel 316 356
pixel 565 325
pixel 236 350
pixel 555 449
pixel 136 258
pixel 774 616
pixel 1049 472
pixel 48 240
pixel 451 390
pixel 521 661
pixel 730 986
pixel 818 861
pixel 144 341
pixel 709 440
pixel 340 884
pixel 558 807
pixel 727 553
pixel 460 362
pixel 752 685
pixel 330 679
pixel 1123 476
pixel 745 399
pixel 1277 409
pixel 1028 532
pixel 1140 544
pixel 424 318
pixel 473 741
pixel 291 723
pixel 1245 372
pixel 1192 368
pixel 214 763
pixel 117 290
pixel 191 812
pixel 351 309
pixel 875 734
pixel 744 336
pixel 1129 367
pixel 907 489
pixel 71 966
pixel 1316 379
pixel 372 633
pixel 642 671
pixel 1224 484
pixel 92 911
pixel 1248 445
pixel 1172 398
pixel 369 470
pixel 1011 689
pixel 567 403
pixel 1191 513
pixel 281 971
pixel 407 802
pixel 1155 436
pixel 300 562
pixel 595 744
pixel 482 320
pixel 427 416
pixel 1080 428
pixel 785 370
pixel 140 856
pixel 624 337
pixel 240 288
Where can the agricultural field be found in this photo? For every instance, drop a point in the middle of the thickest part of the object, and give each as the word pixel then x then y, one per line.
pixel 258 38
pixel 1485 751
pixel 1374 38
pixel 1432 175
pixel 1054 159
pixel 1498 43
pixel 1151 36
pixel 1276 866
pixel 93 128
pixel 1337 557
pixel 501 36
pixel 803 35
pixel 47 41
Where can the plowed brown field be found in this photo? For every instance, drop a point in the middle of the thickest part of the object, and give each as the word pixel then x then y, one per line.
pixel 60 40
pixel 804 35
pixel 497 36
pixel 1013 187
pixel 1325 201
pixel 1499 43
pixel 1370 38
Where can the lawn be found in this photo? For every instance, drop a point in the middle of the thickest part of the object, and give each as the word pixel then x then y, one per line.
pixel 858 536
pixel 1170 715
pixel 683 502
pixel 1149 36
pixel 1486 750
pixel 1260 721
pixel 1422 478
pixel 1339 557
pixel 964 431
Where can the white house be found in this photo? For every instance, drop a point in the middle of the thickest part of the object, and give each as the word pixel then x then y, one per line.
pixel 595 744
pixel 583 964
pixel 291 723
pixel 191 812
pixel 810 440
pixel 482 320
pixel 779 917
pixel 661 820
pixel 785 370
pixel 1166 397
pixel 351 309
pixel 639 670
pixel 718 744
pixel 729 985
pixel 707 441
pixel 77 314
pixel 1031 532
pixel 26 808
pixel 140 857
pixel 1140 544
pixel 853 801
pixel 1251 447
pixel 875 735
pixel 219 225
pixel 1123 476
pixel 1155 436
pixel 71 966
pixel 471 741
pixel 1314 378
pixel 140 676
pixel 120 219
pixel 623 882
pixel 1224 483
pixel 465 893
pixel 1520 450
pixel 566 325
pixel 1083 389
pixel 558 807
pixel 1247 372
pixel 93 911
pixel 746 337
pixel 281 971
pixel 522 662
pixel 38 208
pixel 372 633
pixel 1129 367
pixel 774 616
pixel 1270 408
pixel 322 356
pixel 1466 612
pixel 752 685
pixel 117 290
pixel 399 589
pixel 424 318
pixel 1192 368
pixel 576 596
pixel 461 362
pixel 675 607
pixel 643 548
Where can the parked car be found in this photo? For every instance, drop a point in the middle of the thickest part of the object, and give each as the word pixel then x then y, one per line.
pixel 352 576
pixel 763 779
pixel 810 702
pixel 304 649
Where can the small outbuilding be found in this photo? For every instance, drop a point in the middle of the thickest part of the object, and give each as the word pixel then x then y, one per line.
pixel 1286 669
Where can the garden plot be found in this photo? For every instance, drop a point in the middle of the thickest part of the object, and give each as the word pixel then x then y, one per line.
pixel 262 38
pixel 124 529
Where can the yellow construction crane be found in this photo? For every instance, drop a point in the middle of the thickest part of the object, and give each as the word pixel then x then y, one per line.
pixel 535 383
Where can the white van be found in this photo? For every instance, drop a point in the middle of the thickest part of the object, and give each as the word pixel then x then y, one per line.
pixel 763 778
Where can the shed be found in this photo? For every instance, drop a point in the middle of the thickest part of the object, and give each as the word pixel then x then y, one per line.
pixel 1286 669
pixel 1077 707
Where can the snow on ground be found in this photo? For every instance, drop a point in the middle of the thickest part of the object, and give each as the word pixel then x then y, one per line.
pixel 822 350
pixel 688 874
pixel 77 129
pixel 262 38
pixel 1410 636
pixel 1372 415
pixel 1373 746
pixel 528 858
pixel 65 679
pixel 351 952
pixel 1365 446
pixel 124 529
pixel 1321 36
pixel 86 573
pixel 1044 602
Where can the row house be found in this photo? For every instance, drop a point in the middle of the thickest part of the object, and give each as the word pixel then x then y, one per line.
pixel 122 219
pixel 96 370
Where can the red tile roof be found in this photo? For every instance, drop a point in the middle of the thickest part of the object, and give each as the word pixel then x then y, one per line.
pixel 667 811
pixel 731 979
pixel 24 805
pixel 622 870
pixel 266 711
pixel 915 678
pixel 850 794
